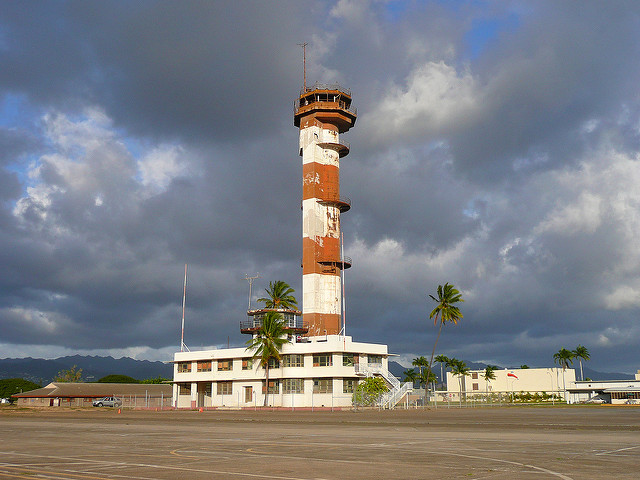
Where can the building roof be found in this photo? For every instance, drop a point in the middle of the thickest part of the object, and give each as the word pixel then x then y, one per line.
pixel 90 390
pixel 622 389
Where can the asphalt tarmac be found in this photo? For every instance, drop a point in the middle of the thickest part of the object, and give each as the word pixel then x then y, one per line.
pixel 494 443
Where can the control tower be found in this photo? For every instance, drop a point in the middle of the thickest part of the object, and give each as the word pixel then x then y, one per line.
pixel 322 113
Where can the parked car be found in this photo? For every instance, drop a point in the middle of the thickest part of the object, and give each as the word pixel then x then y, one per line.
pixel 107 402
pixel 596 400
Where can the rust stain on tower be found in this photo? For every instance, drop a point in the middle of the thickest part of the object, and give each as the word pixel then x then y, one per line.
pixel 322 113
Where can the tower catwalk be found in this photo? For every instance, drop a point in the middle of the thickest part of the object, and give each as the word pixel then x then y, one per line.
pixel 322 113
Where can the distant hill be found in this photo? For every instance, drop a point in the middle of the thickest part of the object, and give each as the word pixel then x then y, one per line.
pixel 396 369
pixel 39 370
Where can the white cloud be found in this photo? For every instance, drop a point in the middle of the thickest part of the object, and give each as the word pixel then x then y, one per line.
pixel 435 98
pixel 36 321
pixel 160 166
pixel 623 297
pixel 584 214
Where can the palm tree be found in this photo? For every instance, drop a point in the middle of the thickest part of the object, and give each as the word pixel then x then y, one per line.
pixel 581 353
pixel 424 380
pixel 279 295
pixel 445 311
pixel 267 343
pixel 442 359
pixel 488 375
pixel 420 362
pixel 564 358
pixel 410 375
pixel 459 368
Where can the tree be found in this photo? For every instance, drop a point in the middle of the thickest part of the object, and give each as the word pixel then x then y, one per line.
pixel 267 343
pixel 11 386
pixel 115 378
pixel 581 353
pixel 524 367
pixel 156 380
pixel 446 311
pixel 74 374
pixel 564 358
pixel 279 295
pixel 489 374
pixel 410 375
pixel 442 360
pixel 424 380
pixel 460 369
pixel 420 362
pixel 369 391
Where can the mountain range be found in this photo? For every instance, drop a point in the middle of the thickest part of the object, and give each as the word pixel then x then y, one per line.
pixel 397 370
pixel 42 371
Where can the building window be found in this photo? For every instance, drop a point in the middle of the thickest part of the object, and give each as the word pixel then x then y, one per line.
pixel 204 366
pixel 274 363
pixel 207 389
pixel 293 361
pixel 225 365
pixel 184 389
pixel 475 386
pixel 375 359
pixel 474 375
pixel 349 385
pixel 274 386
pixel 322 385
pixel 247 363
pixel 293 385
pixel 323 360
pixel 347 359
pixel 224 388
pixel 184 367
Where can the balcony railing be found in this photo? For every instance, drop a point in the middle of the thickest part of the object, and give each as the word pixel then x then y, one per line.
pixel 345 262
pixel 343 204
pixel 254 322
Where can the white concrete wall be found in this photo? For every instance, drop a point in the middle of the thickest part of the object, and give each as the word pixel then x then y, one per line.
pixel 321 294
pixel 310 137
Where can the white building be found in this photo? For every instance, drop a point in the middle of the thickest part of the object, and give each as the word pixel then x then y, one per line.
pixel 512 381
pixel 616 392
pixel 313 372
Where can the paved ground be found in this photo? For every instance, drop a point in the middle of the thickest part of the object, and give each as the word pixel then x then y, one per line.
pixel 497 443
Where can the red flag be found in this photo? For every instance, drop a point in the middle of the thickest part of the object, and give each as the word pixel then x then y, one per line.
pixel 512 375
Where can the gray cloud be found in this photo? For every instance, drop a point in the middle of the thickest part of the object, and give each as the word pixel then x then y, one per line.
pixel 495 148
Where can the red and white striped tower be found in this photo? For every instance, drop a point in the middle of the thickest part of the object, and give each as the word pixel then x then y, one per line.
pixel 322 113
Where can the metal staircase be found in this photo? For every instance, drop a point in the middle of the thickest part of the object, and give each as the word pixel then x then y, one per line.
pixel 397 390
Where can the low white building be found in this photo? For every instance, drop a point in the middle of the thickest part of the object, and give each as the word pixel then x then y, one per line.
pixel 616 392
pixel 512 381
pixel 313 372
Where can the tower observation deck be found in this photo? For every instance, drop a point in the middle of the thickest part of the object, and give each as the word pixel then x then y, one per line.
pixel 322 113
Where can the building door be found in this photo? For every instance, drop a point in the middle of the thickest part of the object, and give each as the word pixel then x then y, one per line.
pixel 248 394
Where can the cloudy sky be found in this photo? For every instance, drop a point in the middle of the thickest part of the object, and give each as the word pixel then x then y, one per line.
pixel 497 148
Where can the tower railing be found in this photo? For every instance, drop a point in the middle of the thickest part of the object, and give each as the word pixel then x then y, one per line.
pixel 325 86
pixel 326 104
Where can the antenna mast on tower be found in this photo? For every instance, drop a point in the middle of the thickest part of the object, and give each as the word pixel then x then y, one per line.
pixel 304 65
pixel 250 280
